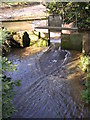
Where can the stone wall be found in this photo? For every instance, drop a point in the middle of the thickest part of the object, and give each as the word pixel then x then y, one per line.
pixel 86 42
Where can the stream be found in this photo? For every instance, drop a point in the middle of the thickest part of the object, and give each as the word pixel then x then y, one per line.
pixel 45 90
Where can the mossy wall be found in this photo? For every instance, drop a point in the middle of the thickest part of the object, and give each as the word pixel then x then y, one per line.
pixel 72 41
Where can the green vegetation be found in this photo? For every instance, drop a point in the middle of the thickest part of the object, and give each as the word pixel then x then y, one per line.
pixel 86 93
pixel 4 43
pixel 81 8
pixel 85 64
pixel 3 35
pixel 35 41
pixel 8 84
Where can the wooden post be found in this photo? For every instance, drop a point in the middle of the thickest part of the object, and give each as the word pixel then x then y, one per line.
pixel 49 38
pixel 39 35
pixel 48 33
pixel 76 19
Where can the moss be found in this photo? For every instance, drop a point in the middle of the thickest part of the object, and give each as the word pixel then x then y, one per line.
pixel 66 45
pixel 76 41
pixel 72 42
pixel 65 42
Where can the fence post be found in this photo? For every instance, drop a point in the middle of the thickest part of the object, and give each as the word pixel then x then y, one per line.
pixel 39 35
pixel 48 32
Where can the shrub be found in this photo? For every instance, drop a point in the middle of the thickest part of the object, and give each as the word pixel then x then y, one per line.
pixel 85 62
pixel 8 84
pixel 4 42
pixel 86 93
pixel 8 88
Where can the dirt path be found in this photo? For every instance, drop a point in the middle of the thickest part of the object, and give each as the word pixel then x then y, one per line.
pixel 49 88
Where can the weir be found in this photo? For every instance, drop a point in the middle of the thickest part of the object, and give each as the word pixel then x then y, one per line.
pixel 55 25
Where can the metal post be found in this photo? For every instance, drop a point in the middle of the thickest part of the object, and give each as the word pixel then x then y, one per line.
pixel 63 18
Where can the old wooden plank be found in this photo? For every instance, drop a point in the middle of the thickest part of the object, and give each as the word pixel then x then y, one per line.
pixel 56 28
pixel 25 19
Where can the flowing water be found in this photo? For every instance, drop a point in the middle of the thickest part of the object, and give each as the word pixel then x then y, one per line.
pixel 45 90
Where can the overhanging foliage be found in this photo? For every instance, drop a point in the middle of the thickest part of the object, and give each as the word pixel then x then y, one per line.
pixel 81 8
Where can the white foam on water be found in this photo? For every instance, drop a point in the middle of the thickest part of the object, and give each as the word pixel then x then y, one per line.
pixel 55 41
pixel 55 34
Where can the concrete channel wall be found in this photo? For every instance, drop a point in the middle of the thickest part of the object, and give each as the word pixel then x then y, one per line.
pixel 72 41
pixel 76 41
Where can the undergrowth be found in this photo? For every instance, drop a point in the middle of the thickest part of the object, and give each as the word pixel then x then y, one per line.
pixel 6 83
pixel 85 64
pixel 35 41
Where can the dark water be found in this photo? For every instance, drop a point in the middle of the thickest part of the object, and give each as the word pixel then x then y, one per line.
pixel 45 91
